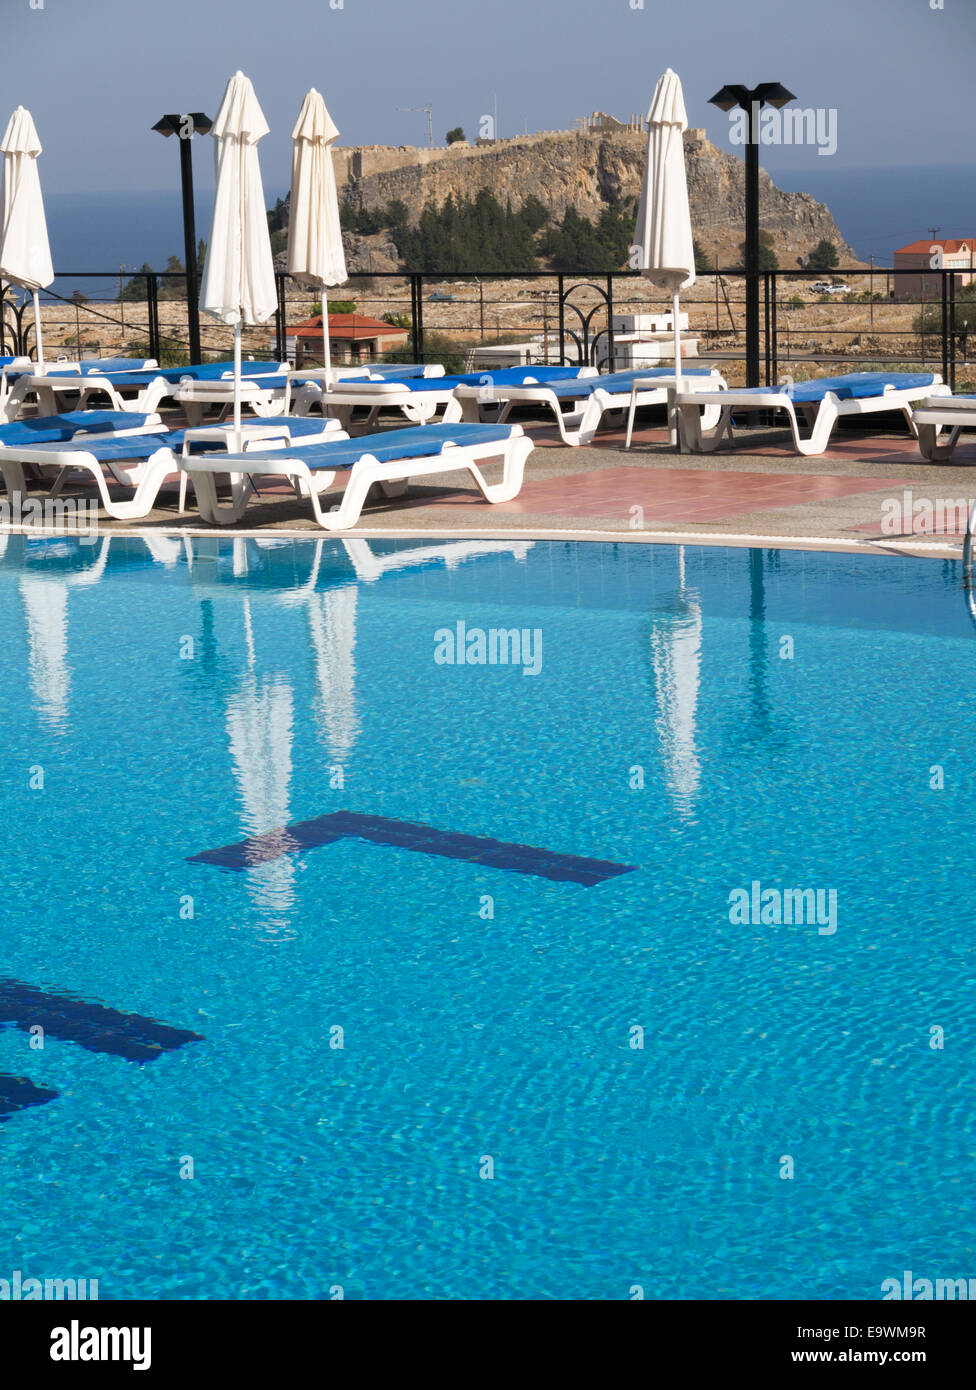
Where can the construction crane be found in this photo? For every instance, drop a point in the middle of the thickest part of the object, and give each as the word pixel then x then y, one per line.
pixel 429 113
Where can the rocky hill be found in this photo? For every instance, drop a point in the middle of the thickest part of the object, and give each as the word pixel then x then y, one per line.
pixel 586 169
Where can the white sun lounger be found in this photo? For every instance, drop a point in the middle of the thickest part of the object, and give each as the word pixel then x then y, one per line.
pixel 19 438
pixel 390 458
pixel 144 464
pixel 935 413
pixel 418 401
pixel 821 403
pixel 144 388
pixel 589 399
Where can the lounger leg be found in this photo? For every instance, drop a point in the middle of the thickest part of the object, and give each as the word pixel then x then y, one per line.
pixel 348 511
pixel 210 507
pixel 631 412
pixel 826 417
pixel 692 429
pixel 94 470
pixel 929 446
pixel 14 479
pixel 516 453
pixel 14 401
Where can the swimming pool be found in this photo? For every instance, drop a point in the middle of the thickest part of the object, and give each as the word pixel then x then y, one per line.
pixel 479 1023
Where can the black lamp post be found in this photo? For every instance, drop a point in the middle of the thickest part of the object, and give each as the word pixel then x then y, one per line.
pixel 185 127
pixel 752 100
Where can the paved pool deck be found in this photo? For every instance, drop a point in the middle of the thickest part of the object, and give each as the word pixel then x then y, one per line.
pixel 761 493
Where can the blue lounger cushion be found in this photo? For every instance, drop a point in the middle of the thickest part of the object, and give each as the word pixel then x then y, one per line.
pixel 854 386
pixel 617 383
pixel 216 371
pixel 143 446
pixel 44 429
pixel 100 366
pixel 209 371
pixel 423 441
pixel 137 446
pixel 499 376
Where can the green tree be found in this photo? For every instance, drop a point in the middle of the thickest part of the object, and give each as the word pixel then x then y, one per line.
pixel 577 244
pixel 702 259
pixel 823 257
pixel 135 288
pixel 534 215
pixel 455 135
pixel 465 235
pixel 398 221
pixel 437 347
pixel 768 259
pixel 173 288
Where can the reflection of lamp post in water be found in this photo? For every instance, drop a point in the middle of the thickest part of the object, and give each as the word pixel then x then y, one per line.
pixel 757 641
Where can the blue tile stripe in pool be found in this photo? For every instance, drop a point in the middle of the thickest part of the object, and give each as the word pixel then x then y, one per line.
pixel 93 1026
pixel 425 839
pixel 17 1093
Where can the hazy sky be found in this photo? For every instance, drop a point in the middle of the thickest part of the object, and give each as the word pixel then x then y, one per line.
pixel 96 74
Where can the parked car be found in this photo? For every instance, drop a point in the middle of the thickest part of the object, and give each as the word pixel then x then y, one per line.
pixel 438 298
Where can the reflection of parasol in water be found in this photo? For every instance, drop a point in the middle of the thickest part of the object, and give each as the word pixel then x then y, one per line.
pixel 260 731
pixel 332 628
pixel 676 658
pixel 46 609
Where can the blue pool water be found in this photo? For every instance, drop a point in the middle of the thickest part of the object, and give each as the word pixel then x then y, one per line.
pixel 169 700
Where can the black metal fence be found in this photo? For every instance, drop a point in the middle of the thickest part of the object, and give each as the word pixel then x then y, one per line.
pixel 573 313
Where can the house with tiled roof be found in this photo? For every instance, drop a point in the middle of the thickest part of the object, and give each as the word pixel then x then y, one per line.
pixel 930 257
pixel 352 337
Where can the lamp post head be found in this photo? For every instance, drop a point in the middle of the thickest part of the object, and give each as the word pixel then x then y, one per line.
pixel 730 96
pixel 193 123
pixel 737 94
pixel 773 94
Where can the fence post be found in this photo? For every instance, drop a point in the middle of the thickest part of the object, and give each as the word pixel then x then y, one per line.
pixel 946 334
pixel 773 375
pixel 952 332
pixel 610 344
pixel 152 309
pixel 281 345
pixel 3 315
pixel 562 322
pixel 416 336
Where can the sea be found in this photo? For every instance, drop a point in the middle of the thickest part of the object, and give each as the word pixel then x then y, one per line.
pixel 877 210
pixel 115 233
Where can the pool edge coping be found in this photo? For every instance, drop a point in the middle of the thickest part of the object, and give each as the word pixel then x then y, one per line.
pixel 893 547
